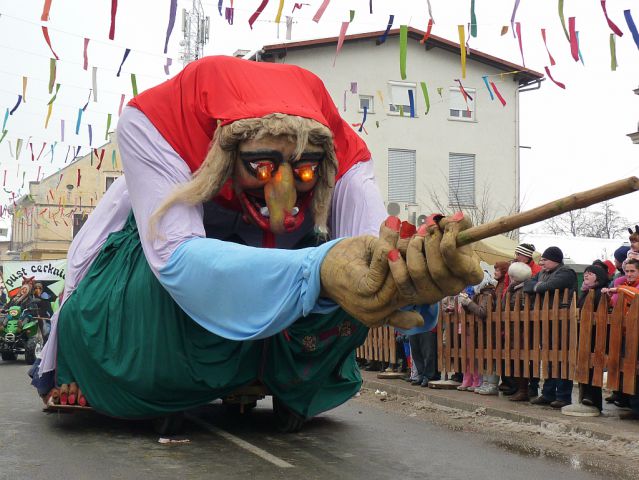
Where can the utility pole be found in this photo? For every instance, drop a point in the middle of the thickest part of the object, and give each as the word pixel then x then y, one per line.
pixel 195 29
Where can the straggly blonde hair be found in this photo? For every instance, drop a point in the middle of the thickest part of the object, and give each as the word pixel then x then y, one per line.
pixel 220 160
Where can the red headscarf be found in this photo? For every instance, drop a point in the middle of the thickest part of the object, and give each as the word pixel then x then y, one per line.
pixel 186 109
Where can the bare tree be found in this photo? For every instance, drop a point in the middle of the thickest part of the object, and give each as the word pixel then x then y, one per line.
pixel 602 222
pixel 574 223
pixel 607 223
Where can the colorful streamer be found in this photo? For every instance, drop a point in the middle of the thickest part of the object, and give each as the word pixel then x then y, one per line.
pixel 169 27
pixel 430 11
pixel 411 102
pixel 504 30
pixel 473 19
pixel 4 134
pixel 521 48
pixel 67 157
pixel 134 84
pixel 426 98
pixel 77 123
pixel 49 110
pixel 90 134
pixel 278 17
pixel 543 35
pixel 631 26
pixel 114 11
pixel 581 58
pixel 106 134
pixel 340 40
pixel 354 87
pixel 113 159
pixel 370 10
pixel 62 130
pixel 88 100
pixel 514 14
pixel 45 10
pixel 45 32
pixel 79 175
pixel 490 92
pixel 464 93
pixel 560 7
pixel 256 14
pixel 498 94
pixel 559 84
pixel 613 52
pixel 126 54
pixel 361 126
pixel 31 148
pixel 55 95
pixel 18 148
pixel 6 117
pixel 219 6
pixel 101 157
pixel 94 83
pixel 382 39
pixel 428 30
pixel 351 15
pixel 44 144
pixel 462 49
pixel 228 15
pixel 169 62
pixel 24 89
pixel 320 11
pixel 611 24
pixel 403 39
pixel 85 64
pixel 574 43
pixel 15 107
pixel 297 6
pixel 121 104
pixel 289 27
pixel 52 73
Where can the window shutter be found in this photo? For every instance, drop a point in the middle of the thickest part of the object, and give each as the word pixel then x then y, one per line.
pixel 461 179
pixel 401 175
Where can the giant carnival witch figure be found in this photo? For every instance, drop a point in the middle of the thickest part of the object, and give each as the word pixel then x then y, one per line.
pixel 203 269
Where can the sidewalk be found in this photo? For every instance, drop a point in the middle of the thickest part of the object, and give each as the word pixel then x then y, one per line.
pixel 607 426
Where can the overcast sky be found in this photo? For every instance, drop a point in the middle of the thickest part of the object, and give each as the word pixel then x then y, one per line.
pixel 577 136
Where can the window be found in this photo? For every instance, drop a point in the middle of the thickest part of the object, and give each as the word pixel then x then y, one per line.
pixel 401 175
pixel 461 179
pixel 461 109
pixel 399 97
pixel 78 221
pixel 4 232
pixel 368 102
pixel 109 182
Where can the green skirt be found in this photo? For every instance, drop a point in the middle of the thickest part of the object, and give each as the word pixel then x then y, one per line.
pixel 136 354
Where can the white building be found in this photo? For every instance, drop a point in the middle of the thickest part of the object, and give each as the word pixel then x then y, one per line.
pixel 465 153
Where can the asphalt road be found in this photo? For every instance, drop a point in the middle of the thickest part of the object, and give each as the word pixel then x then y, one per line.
pixel 355 441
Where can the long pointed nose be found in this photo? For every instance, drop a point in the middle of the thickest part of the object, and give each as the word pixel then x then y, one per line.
pixel 280 195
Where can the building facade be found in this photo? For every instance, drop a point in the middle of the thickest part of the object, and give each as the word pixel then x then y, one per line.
pixel 45 220
pixel 461 151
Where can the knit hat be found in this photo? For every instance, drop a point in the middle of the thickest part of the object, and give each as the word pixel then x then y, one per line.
pixel 621 253
pixel 553 254
pixel 610 267
pixel 600 273
pixel 519 272
pixel 525 249
pixel 502 267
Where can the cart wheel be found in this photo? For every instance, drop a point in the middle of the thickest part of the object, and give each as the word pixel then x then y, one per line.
pixel 169 424
pixel 287 420
pixel 8 356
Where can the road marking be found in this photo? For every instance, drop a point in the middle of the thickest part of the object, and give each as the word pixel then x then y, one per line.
pixel 241 443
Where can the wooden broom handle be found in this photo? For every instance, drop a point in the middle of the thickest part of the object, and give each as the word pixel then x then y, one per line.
pixel 552 209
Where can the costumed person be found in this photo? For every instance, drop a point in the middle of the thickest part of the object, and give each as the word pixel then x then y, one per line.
pixel 228 157
pixel 633 252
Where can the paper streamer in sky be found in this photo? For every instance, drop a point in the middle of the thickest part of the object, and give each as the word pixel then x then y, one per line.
pixel 574 42
pixel 114 11
pixel 169 62
pixel 521 47
pixel 24 89
pixel 31 148
pixel 121 104
pixel 464 93
pixel 504 30
pixel 219 6
pixel 44 144
pixel 297 6
pixel 228 15
pixel 106 134
pixel 289 27
pixel 113 160
pixel 79 178
pixel 560 7
pixel 94 83
pixel 101 157
pixel 126 54
pixel 361 127
pixel 428 30
pixel 613 53
pixel 462 49
pixel 88 100
pixel 278 17
pixel 90 134
pixel 4 134
pixel 15 107
pixel 67 157
pixel 351 15
pixel 340 40
pixel 320 11
pixel 490 92
pixel 579 49
pixel 6 117
pixel 411 102
pixel 473 19
pixel 55 95
pixel 559 84
pixel 426 98
pixel 85 54
pixel 62 130
pixel 430 11
pixel 45 32
pixel 256 14
pixel 77 123
pixel 169 28
pixel 514 14
pixel 354 87
pixel 134 84
pixel 18 148
pixel 631 26
pixel 498 94
pixel 543 35
pixel 52 73
pixel 45 10
pixel 382 39
pixel 370 6
pixel 611 24
pixel 403 39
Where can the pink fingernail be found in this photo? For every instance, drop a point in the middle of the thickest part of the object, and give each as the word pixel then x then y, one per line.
pixel 407 230
pixel 393 223
pixel 393 255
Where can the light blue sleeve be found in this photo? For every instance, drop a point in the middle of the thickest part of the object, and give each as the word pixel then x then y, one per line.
pixel 245 293
pixel 430 313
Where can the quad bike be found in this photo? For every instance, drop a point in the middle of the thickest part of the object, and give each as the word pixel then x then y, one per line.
pixel 20 334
